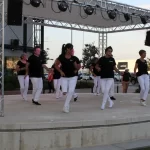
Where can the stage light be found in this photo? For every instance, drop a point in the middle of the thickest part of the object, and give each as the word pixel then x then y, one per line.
pixel 88 10
pixel 127 16
pixel 62 5
pixel 35 3
pixel 144 19
pixel 112 14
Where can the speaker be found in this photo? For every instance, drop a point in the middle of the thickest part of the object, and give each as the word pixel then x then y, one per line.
pixel 147 41
pixel 14 12
pixel 14 43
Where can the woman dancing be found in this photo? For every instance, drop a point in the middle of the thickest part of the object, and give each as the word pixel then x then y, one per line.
pixel 107 66
pixel 96 74
pixel 142 75
pixel 68 73
pixel 23 79
pixel 57 82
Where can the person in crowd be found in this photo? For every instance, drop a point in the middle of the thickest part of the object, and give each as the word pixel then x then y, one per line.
pixel 75 95
pixel 96 75
pixel 112 89
pixel 34 68
pixel 126 80
pixel 57 82
pixel 142 76
pixel 21 72
pixel 50 80
pixel 68 77
pixel 107 65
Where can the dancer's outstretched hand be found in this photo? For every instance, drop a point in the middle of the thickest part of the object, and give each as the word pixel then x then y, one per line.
pixel 62 74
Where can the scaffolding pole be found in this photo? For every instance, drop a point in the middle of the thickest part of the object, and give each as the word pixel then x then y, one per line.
pixel 2 24
pixel 102 43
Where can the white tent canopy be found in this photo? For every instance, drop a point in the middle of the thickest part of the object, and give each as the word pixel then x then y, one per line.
pixel 98 22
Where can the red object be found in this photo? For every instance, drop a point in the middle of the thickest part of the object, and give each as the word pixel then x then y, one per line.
pixel 50 77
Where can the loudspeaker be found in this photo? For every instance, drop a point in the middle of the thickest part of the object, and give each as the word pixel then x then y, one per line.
pixel 14 43
pixel 147 41
pixel 14 12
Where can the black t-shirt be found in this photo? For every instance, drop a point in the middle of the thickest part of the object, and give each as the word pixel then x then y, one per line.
pixel 67 65
pixel 107 67
pixel 126 76
pixel 142 67
pixel 78 62
pixel 35 66
pixel 21 65
pixel 95 71
pixel 57 74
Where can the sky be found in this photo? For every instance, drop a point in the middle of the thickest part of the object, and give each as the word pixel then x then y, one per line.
pixel 125 45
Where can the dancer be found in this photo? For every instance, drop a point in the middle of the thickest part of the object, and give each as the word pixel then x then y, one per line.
pixel 126 80
pixel 75 95
pixel 34 68
pixel 21 72
pixel 112 89
pixel 96 74
pixel 107 65
pixel 57 82
pixel 67 71
pixel 142 75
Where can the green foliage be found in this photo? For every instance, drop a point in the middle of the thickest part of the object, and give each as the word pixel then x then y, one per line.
pixel 148 63
pixel 44 56
pixel 89 54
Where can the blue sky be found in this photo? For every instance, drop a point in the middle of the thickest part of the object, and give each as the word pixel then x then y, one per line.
pixel 126 45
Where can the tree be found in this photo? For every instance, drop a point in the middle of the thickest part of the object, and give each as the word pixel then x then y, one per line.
pixel 89 54
pixel 44 56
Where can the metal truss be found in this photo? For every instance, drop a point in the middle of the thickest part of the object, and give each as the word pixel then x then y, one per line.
pixel 102 43
pixel 87 28
pixel 2 21
pixel 37 34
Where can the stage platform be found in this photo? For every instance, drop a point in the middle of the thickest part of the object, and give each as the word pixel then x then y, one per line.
pixel 29 127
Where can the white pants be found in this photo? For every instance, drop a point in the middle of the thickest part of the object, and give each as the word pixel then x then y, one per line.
pixel 68 86
pixel 24 85
pixel 105 87
pixel 144 85
pixel 112 90
pixel 96 88
pixel 75 95
pixel 37 84
pixel 57 84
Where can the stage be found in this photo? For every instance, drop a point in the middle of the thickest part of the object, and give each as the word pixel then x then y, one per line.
pixel 29 127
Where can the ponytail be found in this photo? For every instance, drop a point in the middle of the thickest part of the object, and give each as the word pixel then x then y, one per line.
pixel 63 50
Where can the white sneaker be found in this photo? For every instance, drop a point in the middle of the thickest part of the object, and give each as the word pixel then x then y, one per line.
pixel 143 103
pixel 102 107
pixel 111 103
pixel 66 109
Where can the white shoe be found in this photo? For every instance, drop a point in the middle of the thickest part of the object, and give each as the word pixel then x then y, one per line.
pixel 95 94
pixel 111 103
pixel 102 107
pixel 143 103
pixel 66 109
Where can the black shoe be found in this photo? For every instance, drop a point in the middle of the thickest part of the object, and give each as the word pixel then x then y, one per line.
pixel 36 103
pixel 75 99
pixel 112 98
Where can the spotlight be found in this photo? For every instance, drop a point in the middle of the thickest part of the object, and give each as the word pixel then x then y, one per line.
pixel 88 10
pixel 35 3
pixel 112 14
pixel 62 5
pixel 127 16
pixel 144 19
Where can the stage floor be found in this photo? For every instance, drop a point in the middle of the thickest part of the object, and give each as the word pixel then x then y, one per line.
pixel 86 111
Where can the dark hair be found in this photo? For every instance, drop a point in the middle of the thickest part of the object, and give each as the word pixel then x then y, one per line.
pixel 108 49
pixel 34 49
pixel 22 55
pixel 141 52
pixel 65 47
